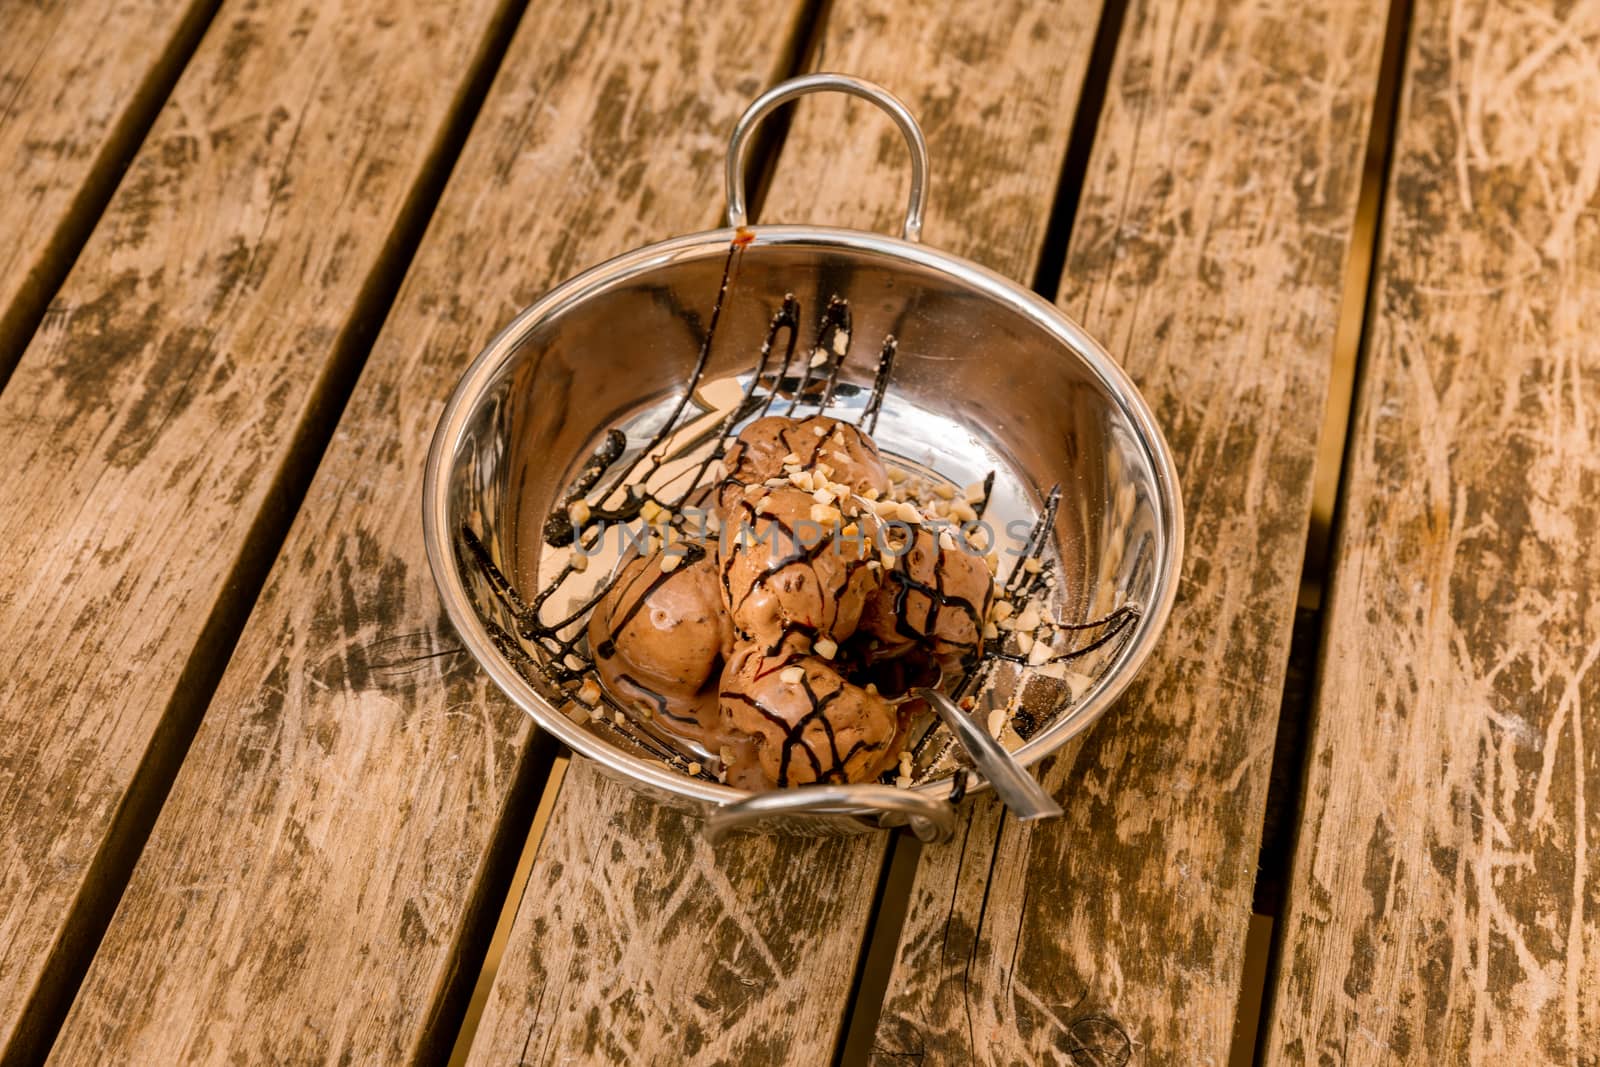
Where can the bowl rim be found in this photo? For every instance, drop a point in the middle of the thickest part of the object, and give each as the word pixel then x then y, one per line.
pixel 487 365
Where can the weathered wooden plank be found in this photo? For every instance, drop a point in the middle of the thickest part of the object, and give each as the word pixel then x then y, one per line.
pixel 1445 902
pixel 1207 255
pixel 635 943
pixel 162 408
pixel 79 82
pixel 323 858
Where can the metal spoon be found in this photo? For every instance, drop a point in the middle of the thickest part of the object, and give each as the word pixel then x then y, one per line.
pixel 1014 785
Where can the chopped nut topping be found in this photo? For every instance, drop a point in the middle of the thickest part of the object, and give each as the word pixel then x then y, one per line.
pixel 578 512
pixel 1029 619
pixel 997 722
pixel 974 493
pixel 1024 642
pixel 819 359
pixel 826 647
pixel 944 492
pixel 693 768
pixel 669 562
pixel 1040 654
pixel 1032 565
pixel 589 692
pixel 792 675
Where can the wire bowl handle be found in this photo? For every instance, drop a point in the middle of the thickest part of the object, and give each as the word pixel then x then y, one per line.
pixel 782 93
pixel 930 818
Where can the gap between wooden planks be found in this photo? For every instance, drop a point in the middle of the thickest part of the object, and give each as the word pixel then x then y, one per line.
pixel 80 84
pixel 635 943
pixel 165 413
pixel 319 885
pixel 1444 895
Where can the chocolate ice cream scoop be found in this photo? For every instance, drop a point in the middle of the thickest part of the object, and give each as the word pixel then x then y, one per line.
pixel 764 447
pixel 788 566
pixel 659 637
pixel 792 719
pixel 935 596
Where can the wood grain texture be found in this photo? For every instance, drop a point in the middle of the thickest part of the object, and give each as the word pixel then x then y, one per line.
pixel 994 86
pixel 1445 904
pixel 635 943
pixel 1207 256
pixel 323 853
pixel 150 423
pixel 78 82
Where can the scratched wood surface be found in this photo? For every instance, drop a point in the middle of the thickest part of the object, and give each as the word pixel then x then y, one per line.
pixel 150 425
pixel 78 83
pixel 1445 902
pixel 330 844
pixel 1207 255
pixel 635 942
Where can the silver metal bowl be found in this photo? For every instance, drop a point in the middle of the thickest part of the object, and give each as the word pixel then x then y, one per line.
pixel 988 377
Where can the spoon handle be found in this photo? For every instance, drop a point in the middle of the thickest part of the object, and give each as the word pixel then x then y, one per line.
pixel 1016 787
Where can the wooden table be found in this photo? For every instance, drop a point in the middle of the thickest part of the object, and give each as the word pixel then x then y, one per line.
pixel 256 806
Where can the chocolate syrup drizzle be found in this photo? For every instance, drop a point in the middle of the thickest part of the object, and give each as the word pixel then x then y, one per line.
pixel 799 553
pixel 794 736
pixel 938 601
pixel 693 553
pixel 560 643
